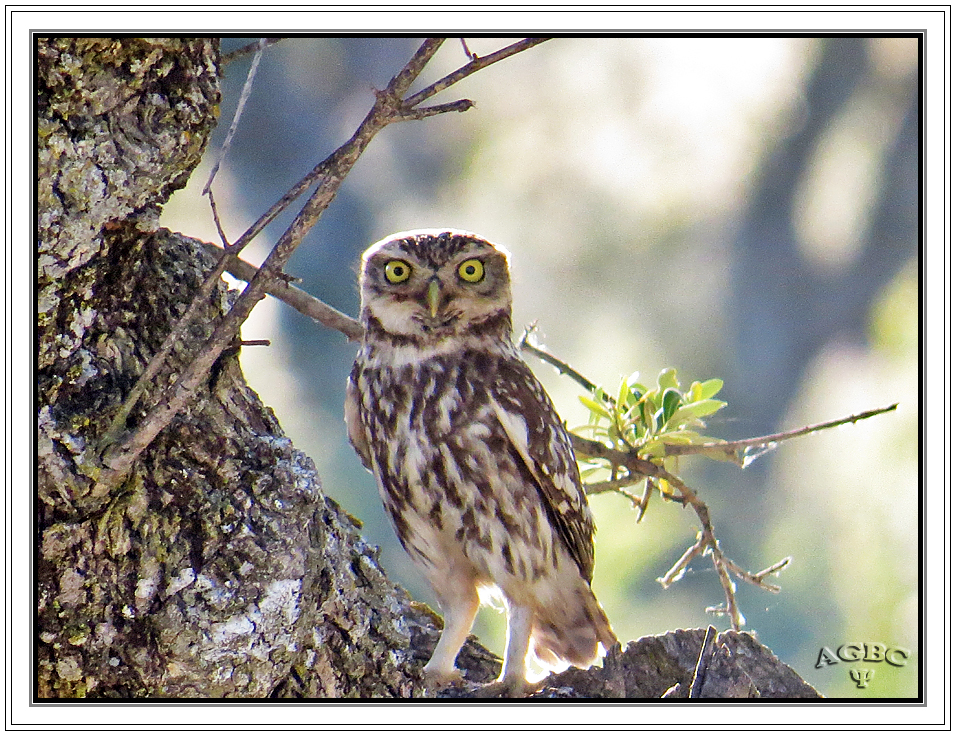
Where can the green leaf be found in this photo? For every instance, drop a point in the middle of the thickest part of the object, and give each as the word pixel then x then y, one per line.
pixel 710 388
pixel 652 449
pixel 690 414
pixel 670 402
pixel 595 407
pixel 598 430
pixel 705 407
pixel 668 379
pixel 625 396
pixel 589 472
pixel 681 418
pixel 648 412
pixel 680 437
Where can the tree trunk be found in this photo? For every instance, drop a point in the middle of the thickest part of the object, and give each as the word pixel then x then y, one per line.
pixel 218 568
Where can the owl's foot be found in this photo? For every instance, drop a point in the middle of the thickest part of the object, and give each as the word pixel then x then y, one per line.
pixel 436 681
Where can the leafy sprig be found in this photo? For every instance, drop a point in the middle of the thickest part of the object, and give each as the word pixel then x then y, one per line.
pixel 648 420
pixel 633 436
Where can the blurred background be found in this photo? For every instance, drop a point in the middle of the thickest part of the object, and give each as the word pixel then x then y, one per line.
pixel 745 208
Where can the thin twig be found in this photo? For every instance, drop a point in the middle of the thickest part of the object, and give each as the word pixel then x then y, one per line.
pixel 757 578
pixel 537 351
pixel 119 457
pixel 728 447
pixel 402 111
pixel 468 52
pixel 476 64
pixel 121 450
pixel 678 568
pixel 243 97
pixel 707 541
pixel 730 606
pixel 420 113
pixel 300 300
pixel 247 49
pixel 636 466
pixel 774 569
pixel 118 424
pixel 633 462
pixel 700 671
pixel 218 223
pixel 773 439
pixel 176 336
pixel 615 484
pixel 641 504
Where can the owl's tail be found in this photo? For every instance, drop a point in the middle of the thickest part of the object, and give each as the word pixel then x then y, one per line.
pixel 571 630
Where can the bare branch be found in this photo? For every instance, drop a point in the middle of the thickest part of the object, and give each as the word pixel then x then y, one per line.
pixel 631 461
pixel 121 453
pixel 537 351
pixel 247 49
pixel 477 63
pixel 120 450
pixel 729 448
pixel 771 440
pixel 615 484
pixel 218 222
pixel 420 113
pixel 300 300
pixel 468 52
pixel 757 578
pixel 678 568
pixel 730 606
pixel 118 425
pixel 707 542
pixel 240 106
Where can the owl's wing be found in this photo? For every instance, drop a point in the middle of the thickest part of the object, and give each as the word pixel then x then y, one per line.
pixel 353 422
pixel 540 439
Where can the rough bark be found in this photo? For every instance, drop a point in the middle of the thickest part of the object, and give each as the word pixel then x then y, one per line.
pixel 218 568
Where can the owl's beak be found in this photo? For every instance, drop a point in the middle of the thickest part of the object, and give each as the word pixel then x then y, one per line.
pixel 432 296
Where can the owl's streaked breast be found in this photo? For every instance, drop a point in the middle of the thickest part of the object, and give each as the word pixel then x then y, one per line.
pixel 446 470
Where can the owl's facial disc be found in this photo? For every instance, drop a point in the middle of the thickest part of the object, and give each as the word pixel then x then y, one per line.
pixel 435 285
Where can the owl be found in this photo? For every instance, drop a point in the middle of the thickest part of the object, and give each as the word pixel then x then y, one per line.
pixel 472 462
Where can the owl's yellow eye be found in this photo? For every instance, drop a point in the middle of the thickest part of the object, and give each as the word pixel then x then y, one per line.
pixel 397 271
pixel 472 270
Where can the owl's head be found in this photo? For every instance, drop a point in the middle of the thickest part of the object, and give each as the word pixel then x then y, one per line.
pixel 427 285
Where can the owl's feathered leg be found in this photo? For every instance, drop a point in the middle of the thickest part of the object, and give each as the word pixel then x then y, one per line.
pixel 520 621
pixel 459 613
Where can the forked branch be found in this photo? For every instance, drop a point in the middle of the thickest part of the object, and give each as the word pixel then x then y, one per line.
pixel 119 447
pixel 628 468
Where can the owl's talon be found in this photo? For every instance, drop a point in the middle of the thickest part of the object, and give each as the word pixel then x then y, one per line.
pixel 436 681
